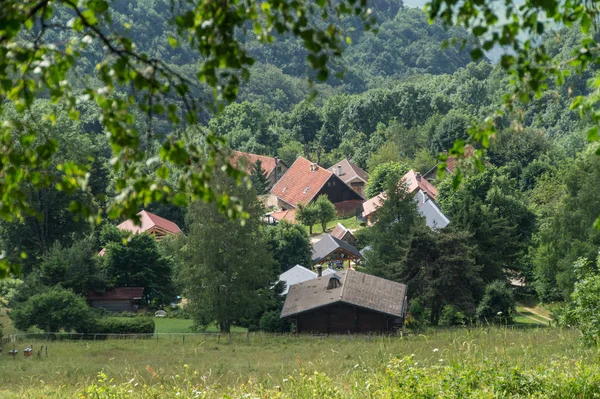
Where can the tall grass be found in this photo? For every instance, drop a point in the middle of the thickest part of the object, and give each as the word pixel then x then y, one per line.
pixel 212 366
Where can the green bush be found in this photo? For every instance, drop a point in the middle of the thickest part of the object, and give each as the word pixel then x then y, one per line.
pixel 498 304
pixel 272 322
pixel 452 317
pixel 52 311
pixel 121 325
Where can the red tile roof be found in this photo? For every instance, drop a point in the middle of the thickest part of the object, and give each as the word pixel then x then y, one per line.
pixel 288 215
pixel 451 161
pixel 372 204
pixel 248 160
pixel 117 294
pixel 301 182
pixel 349 171
pixel 415 181
pixel 148 221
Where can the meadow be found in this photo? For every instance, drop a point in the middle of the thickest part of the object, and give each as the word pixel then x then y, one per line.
pixel 259 365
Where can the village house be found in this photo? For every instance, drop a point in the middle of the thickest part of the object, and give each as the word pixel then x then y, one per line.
pixel 273 168
pixel 351 174
pixel 425 194
pixel 330 250
pixel 346 302
pixel 150 223
pixel 305 181
pixel 119 299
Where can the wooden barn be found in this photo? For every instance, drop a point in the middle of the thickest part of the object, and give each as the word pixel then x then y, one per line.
pixel 119 299
pixel 346 302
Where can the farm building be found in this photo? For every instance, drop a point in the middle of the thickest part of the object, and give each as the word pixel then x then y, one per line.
pixel 305 181
pixel 119 299
pixel 342 233
pixel 332 250
pixel 299 274
pixel 273 168
pixel 346 302
pixel 351 174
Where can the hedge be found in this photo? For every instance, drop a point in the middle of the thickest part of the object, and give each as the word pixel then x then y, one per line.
pixel 122 325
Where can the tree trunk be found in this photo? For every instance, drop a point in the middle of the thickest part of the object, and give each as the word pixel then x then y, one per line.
pixel 324 226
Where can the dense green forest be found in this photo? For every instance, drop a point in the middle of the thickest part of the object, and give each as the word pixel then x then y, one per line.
pixel 403 95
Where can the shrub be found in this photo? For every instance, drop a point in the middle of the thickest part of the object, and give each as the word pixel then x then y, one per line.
pixel 52 311
pixel 498 303
pixel 452 317
pixel 272 322
pixel 121 325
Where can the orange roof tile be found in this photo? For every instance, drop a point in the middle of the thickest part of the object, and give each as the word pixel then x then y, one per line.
pixel 288 215
pixel 302 181
pixel 415 181
pixel 248 160
pixel 148 221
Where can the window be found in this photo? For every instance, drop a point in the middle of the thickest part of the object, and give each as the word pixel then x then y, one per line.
pixel 285 188
pixel 279 169
pixel 305 190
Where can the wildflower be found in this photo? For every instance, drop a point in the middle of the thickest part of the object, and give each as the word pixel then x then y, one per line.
pixel 499 313
pixel 435 349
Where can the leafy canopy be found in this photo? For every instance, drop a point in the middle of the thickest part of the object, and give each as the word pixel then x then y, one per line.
pixel 36 63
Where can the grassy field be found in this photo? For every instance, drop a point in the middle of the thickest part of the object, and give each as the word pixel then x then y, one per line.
pixel 215 365
pixel 173 326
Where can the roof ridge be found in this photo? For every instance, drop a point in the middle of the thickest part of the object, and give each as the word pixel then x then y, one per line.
pixel 344 284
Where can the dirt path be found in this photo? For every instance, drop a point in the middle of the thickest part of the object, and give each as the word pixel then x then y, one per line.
pixel 529 317
pixel 537 314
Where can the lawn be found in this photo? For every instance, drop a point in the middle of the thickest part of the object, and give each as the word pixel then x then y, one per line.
pixel 349 222
pixel 173 326
pixel 217 365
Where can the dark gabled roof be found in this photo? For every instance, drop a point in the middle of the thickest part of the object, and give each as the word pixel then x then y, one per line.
pixel 356 288
pixel 329 244
pixel 349 171
pixel 118 293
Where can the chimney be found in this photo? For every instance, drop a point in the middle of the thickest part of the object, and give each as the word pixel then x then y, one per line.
pixel 339 170
pixel 319 270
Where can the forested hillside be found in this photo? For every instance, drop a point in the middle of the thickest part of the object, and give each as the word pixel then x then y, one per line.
pixel 398 97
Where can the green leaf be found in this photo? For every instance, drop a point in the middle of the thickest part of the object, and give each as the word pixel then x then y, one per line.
pixel 592 134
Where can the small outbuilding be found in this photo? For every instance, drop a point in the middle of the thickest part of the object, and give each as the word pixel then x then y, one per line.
pixel 335 251
pixel 342 233
pixel 346 302
pixel 119 299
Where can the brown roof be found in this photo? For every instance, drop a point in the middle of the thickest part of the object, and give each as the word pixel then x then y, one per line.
pixel 349 171
pixel 414 181
pixel 358 289
pixel 148 221
pixel 248 160
pixel 118 294
pixel 301 183
pixel 339 231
